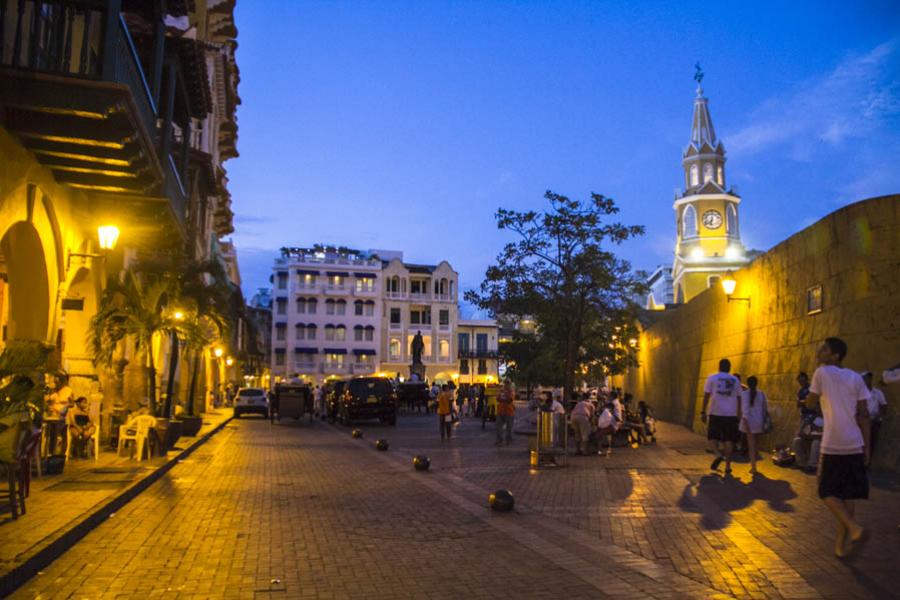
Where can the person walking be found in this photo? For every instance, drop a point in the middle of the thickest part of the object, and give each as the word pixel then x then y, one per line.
pixel 581 417
pixel 877 408
pixel 723 389
pixel 754 407
pixel 444 411
pixel 845 451
pixel 506 413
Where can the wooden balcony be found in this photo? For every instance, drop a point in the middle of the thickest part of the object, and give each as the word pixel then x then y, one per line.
pixel 73 91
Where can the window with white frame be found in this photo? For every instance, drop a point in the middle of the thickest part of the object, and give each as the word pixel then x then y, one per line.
pixel 336 281
pixel 689 222
pixel 358 333
pixel 280 332
pixel 340 307
pixel 365 284
pixel 340 333
pixel 358 308
pixel 395 348
pixel 731 220
pixel 707 172
pixel 369 308
pixel 369 333
pixel 281 306
pixel 444 349
pixel 695 175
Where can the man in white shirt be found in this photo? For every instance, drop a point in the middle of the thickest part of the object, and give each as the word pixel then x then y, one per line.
pixel 724 413
pixel 843 397
pixel 877 405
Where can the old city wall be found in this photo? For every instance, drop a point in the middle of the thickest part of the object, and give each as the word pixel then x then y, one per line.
pixel 854 254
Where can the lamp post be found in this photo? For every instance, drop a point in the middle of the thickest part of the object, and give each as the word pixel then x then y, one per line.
pixel 728 286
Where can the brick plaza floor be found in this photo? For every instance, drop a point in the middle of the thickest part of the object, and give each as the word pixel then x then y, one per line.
pixel 301 510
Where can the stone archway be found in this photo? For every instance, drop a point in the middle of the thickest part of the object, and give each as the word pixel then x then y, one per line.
pixel 26 291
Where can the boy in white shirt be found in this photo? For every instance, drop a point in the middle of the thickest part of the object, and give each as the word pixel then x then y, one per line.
pixel 724 413
pixel 845 441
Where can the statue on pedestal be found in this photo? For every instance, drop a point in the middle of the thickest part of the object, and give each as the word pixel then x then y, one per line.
pixel 417 368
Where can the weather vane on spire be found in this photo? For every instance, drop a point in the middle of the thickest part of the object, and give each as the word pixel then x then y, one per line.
pixel 698 75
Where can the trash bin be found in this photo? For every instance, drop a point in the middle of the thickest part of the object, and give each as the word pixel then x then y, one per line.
pixel 546 429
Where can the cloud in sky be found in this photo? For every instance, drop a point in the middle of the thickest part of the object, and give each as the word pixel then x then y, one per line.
pixel 853 101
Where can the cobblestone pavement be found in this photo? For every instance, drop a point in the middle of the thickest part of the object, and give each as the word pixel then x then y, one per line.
pixel 303 510
pixel 57 503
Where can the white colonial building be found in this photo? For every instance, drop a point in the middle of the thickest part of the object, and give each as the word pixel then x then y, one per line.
pixel 419 299
pixel 339 312
pixel 326 313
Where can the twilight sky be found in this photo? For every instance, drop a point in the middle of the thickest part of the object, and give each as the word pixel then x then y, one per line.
pixel 405 125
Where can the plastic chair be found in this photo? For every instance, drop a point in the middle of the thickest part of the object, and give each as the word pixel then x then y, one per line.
pixel 140 426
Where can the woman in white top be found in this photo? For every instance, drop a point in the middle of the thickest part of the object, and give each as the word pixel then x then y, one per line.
pixel 754 407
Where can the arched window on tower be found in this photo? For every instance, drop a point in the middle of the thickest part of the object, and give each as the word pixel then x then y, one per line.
pixel 695 176
pixel 707 172
pixel 731 220
pixel 720 175
pixel 689 222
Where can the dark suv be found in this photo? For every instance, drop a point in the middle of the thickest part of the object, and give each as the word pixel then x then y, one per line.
pixel 368 398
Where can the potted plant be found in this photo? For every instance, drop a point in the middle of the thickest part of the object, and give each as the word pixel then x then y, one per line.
pixel 22 389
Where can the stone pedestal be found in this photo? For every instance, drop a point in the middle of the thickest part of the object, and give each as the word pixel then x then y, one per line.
pixel 417 370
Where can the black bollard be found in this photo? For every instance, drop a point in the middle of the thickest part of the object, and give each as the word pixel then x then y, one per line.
pixel 502 501
pixel 356 433
pixel 421 463
pixel 381 445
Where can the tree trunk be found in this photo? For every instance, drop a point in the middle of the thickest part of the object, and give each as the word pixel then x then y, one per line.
pixel 151 387
pixel 170 384
pixel 195 367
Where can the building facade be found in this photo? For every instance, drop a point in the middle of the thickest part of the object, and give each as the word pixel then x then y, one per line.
pixel 111 113
pixel 708 241
pixel 339 312
pixel 326 313
pixel 478 351
pixel 419 299
pixel 660 290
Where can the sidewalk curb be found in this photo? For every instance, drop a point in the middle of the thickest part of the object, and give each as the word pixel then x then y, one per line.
pixel 20 575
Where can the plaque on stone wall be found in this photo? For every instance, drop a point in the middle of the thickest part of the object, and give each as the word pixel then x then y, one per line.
pixel 814 299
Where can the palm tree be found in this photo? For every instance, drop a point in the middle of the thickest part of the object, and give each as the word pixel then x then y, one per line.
pixel 199 332
pixel 131 309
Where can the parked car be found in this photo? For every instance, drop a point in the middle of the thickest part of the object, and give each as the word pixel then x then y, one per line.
pixel 250 400
pixel 368 398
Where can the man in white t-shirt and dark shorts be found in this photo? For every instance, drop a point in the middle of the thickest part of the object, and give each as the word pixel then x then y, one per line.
pixel 844 454
pixel 721 394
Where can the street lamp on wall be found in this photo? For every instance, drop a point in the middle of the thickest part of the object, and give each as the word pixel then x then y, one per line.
pixel 728 286
pixel 107 235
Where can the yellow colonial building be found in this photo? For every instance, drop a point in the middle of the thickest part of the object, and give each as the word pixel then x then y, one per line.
pixel 708 242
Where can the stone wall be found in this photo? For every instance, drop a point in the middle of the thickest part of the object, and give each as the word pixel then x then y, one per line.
pixel 854 254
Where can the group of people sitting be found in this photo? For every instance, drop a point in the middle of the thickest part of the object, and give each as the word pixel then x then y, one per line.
pixel 63 407
pixel 594 420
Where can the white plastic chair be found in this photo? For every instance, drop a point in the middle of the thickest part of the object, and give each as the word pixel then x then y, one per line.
pixel 141 426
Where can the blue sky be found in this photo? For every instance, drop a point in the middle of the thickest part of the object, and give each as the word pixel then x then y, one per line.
pixel 406 125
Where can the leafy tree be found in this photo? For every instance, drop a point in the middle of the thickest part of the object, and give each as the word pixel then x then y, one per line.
pixel 530 361
pixel 559 272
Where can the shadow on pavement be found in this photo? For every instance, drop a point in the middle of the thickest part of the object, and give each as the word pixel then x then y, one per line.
pixel 715 497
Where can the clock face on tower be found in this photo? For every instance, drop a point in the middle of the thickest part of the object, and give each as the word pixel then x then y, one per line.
pixel 712 219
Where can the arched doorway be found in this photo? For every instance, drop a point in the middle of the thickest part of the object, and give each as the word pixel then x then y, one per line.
pixel 26 289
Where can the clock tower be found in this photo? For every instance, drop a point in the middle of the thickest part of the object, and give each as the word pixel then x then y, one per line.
pixel 708 241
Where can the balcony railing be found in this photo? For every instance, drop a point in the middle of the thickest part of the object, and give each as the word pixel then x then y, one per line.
pixel 478 354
